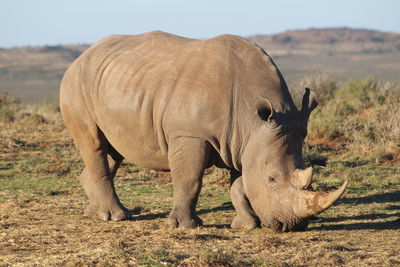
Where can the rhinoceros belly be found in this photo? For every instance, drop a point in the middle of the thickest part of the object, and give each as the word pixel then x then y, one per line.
pixel 135 139
pixel 142 94
pixel 132 120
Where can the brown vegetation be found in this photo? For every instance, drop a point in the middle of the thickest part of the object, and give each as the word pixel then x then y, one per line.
pixel 41 201
pixel 354 134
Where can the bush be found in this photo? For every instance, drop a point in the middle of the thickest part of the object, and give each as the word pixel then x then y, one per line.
pixel 9 108
pixel 323 84
pixel 12 111
pixel 363 113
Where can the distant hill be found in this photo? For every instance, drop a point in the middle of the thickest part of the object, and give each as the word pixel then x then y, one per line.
pixel 34 73
pixel 343 52
pixel 328 36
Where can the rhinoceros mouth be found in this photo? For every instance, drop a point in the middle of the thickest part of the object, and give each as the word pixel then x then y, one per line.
pixel 279 226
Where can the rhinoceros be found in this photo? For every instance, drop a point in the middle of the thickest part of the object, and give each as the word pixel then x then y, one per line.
pixel 167 102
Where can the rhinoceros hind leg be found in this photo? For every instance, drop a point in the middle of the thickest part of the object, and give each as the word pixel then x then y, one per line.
pixel 187 158
pixel 100 161
pixel 92 209
pixel 98 182
pixel 245 217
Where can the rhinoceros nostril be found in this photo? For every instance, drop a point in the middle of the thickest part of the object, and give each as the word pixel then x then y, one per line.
pixel 276 225
pixel 279 227
pixel 285 227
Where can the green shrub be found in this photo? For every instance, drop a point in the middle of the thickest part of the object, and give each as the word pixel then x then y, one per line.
pixel 355 96
pixel 363 113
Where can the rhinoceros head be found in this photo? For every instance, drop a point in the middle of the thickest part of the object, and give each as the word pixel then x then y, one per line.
pixel 274 177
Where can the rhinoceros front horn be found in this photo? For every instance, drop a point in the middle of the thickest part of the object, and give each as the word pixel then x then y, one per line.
pixel 312 203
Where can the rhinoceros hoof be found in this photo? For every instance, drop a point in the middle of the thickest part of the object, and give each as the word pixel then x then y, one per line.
pixel 175 222
pixel 107 216
pixel 118 215
pixel 90 210
pixel 115 214
pixel 244 222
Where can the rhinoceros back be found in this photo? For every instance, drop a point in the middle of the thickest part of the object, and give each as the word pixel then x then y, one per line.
pixel 143 90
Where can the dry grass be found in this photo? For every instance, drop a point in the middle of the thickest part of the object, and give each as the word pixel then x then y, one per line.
pixel 51 233
pixel 41 207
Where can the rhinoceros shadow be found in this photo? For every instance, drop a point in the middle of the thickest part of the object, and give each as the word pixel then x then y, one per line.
pixel 375 221
pixel 224 207
pixel 137 216
pixel 149 216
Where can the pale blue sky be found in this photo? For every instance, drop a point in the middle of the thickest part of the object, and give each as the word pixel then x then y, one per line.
pixel 51 22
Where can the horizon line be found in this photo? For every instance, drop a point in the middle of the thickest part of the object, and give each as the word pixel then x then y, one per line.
pixel 245 36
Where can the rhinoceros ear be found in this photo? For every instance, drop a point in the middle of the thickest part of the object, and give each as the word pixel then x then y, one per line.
pixel 310 102
pixel 265 111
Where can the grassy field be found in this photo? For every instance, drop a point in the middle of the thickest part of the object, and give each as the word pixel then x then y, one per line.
pixel 41 201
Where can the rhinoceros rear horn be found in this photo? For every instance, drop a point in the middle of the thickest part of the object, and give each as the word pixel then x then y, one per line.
pixel 264 109
pixel 313 203
pixel 302 179
pixel 309 103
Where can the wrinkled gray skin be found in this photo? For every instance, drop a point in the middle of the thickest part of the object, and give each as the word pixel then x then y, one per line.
pixel 171 103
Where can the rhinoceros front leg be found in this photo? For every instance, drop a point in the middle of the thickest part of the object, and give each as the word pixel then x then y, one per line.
pixel 187 160
pixel 245 216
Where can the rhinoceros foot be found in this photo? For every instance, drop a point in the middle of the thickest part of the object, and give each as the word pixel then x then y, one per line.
pixel 115 213
pixel 90 210
pixel 176 220
pixel 244 222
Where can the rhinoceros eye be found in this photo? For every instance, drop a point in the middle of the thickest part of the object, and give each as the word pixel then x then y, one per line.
pixel 271 179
